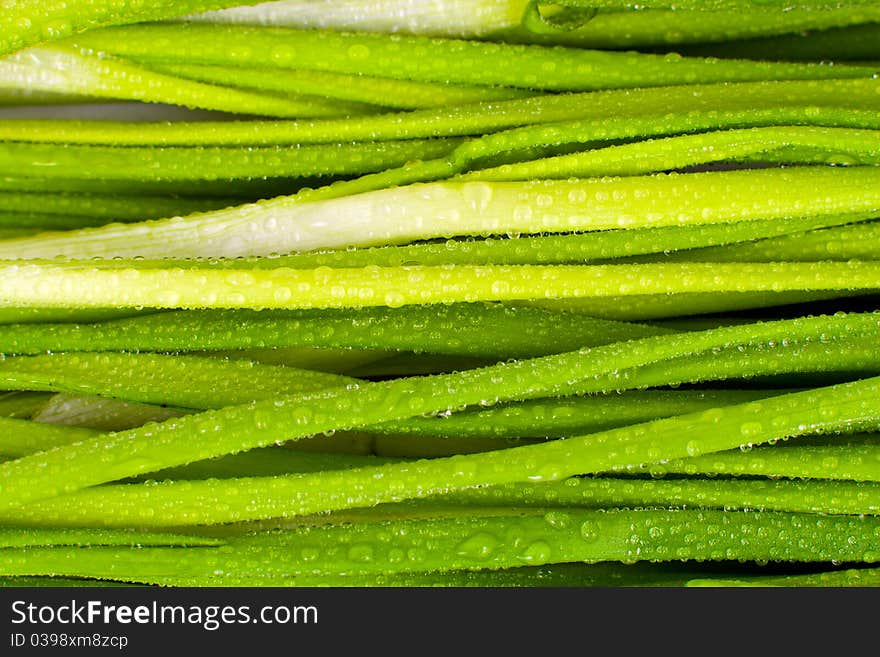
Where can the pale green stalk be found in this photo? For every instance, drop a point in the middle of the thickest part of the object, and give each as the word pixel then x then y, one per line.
pixel 66 286
pixel 446 209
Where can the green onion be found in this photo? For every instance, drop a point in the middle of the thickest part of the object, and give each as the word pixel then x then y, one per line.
pixel 211 163
pixel 434 60
pixel 376 91
pixel 399 215
pixel 64 286
pixel 517 332
pixel 32 21
pixel 839 459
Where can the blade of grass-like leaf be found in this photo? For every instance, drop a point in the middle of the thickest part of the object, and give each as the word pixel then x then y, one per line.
pixel 223 189
pixel 73 210
pixel 206 163
pixel 644 307
pixel 826 497
pixel 852 242
pixel 844 458
pixel 380 92
pixel 181 380
pixel 35 537
pixel 565 416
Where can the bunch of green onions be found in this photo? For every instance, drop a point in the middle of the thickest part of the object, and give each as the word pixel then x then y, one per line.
pixel 447 293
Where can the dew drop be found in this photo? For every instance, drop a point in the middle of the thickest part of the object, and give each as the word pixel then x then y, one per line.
pixel 477 546
pixel 360 553
pixel 537 552
pixel 589 531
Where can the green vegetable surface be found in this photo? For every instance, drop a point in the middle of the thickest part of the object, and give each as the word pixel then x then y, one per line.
pixel 467 293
